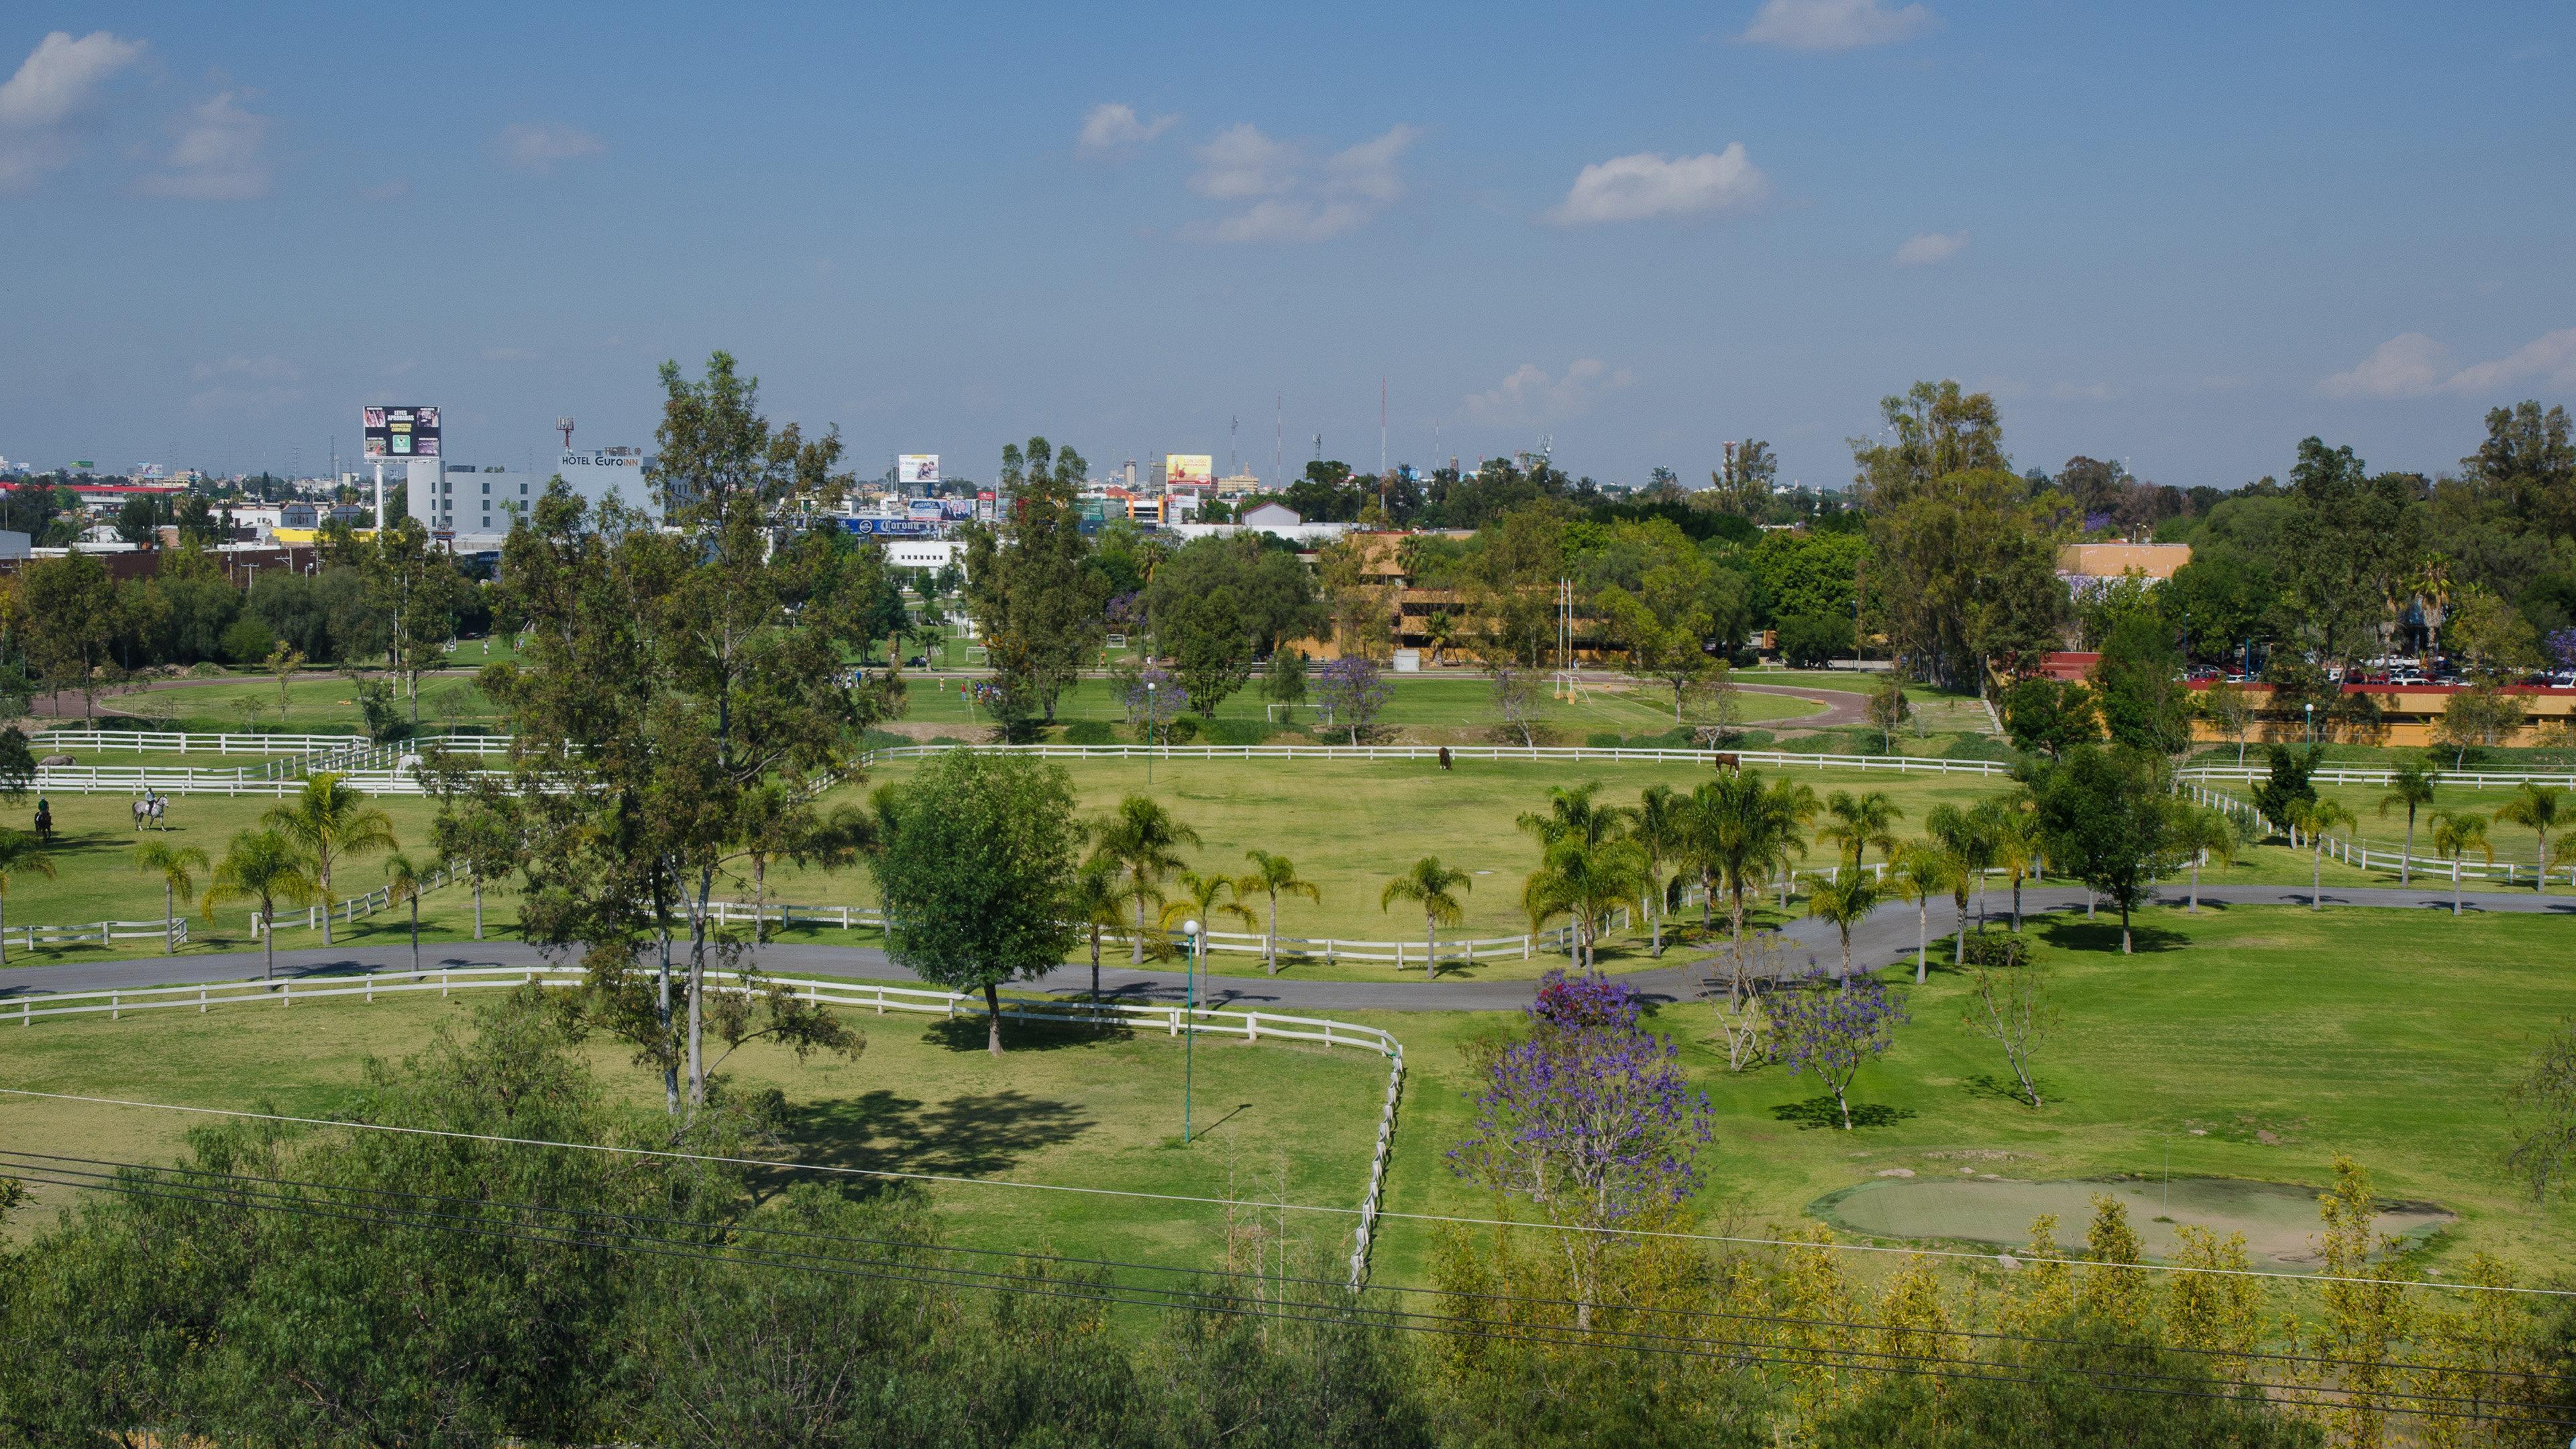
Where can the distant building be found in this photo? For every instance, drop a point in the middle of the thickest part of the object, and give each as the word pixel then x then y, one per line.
pixel 1271 515
pixel 2157 561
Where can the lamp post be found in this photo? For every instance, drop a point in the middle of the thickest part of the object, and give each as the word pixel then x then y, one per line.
pixel 2312 721
pixel 1149 756
pixel 1189 1038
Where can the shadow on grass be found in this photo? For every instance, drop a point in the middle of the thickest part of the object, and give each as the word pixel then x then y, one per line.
pixel 1987 1084
pixel 968 1034
pixel 2103 934
pixel 1818 1112
pixel 974 1136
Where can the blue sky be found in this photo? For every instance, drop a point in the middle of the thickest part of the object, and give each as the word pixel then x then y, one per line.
pixel 2182 235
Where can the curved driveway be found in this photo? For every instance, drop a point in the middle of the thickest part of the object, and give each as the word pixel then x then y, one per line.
pixel 1886 937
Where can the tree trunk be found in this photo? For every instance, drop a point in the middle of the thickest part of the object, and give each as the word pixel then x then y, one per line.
pixel 759 899
pixel 698 988
pixel 2317 875
pixel 2455 887
pixel 662 1003
pixel 1095 962
pixel 1959 955
pixel 2406 862
pixel 992 1020
pixel 415 935
pixel 169 917
pixel 478 905
pixel 2125 948
pixel 2016 905
pixel 267 938
pixel 1922 938
pixel 1844 1103
pixel 1270 942
pixel 1846 926
pixel 1136 946
pixel 326 899
pixel 1430 948
pixel 2540 878
pixel 2195 885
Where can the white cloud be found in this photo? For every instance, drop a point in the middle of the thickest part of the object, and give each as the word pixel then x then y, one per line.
pixel 1633 188
pixel 1529 395
pixel 2414 365
pixel 58 80
pixel 1302 200
pixel 1926 247
pixel 540 146
pixel 1112 124
pixel 1834 24
pixel 217 156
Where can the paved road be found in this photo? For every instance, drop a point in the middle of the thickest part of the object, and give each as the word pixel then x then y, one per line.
pixel 1887 936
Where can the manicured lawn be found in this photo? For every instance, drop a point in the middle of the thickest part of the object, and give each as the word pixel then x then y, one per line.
pixel 1457 701
pixel 1069 1107
pixel 2254 1042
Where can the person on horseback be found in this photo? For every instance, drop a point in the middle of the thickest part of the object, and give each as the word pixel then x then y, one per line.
pixel 44 819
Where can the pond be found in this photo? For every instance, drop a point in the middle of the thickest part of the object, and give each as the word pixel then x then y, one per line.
pixel 2279 1219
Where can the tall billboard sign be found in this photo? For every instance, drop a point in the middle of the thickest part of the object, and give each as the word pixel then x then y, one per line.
pixel 399 432
pixel 1188 470
pixel 918 468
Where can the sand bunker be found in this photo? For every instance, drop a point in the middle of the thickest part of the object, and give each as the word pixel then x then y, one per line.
pixel 2278 1219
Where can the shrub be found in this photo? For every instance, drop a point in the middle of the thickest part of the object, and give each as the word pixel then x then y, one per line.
pixel 1813 639
pixel 1234 731
pixel 248 641
pixel 1181 731
pixel 1090 732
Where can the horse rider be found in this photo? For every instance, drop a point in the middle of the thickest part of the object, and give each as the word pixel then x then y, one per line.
pixel 44 819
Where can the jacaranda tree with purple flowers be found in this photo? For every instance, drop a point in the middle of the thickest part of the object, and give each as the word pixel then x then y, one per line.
pixel 1352 693
pixel 1835 1030
pixel 1154 699
pixel 1589 1120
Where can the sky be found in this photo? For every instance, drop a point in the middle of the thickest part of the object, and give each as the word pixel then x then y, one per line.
pixel 2183 236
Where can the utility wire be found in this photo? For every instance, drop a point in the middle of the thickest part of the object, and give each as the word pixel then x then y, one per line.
pixel 890 1174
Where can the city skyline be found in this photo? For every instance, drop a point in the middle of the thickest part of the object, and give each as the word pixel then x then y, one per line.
pixel 2182 239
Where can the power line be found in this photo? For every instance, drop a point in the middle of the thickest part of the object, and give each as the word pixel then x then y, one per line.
pixel 891 1174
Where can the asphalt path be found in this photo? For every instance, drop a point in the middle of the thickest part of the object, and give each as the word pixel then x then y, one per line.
pixel 1887 936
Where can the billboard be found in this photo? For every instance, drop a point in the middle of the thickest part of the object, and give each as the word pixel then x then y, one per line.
pixel 1192 470
pixel 917 468
pixel 405 432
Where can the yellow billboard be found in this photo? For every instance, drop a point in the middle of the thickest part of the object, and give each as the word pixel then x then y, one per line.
pixel 1188 469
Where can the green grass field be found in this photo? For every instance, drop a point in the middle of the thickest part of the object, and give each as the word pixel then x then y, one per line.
pixel 2253 1043
pixel 1078 1108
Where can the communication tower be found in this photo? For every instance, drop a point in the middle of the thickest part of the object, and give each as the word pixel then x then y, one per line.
pixel 563 425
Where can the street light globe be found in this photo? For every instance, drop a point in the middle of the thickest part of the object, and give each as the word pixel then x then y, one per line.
pixel 1190 927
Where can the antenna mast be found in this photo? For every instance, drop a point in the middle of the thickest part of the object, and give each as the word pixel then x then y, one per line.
pixel 563 425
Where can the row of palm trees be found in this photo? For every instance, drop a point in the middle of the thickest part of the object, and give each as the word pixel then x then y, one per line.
pixel 2455 834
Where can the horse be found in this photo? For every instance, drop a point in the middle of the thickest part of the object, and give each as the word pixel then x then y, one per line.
pixel 151 808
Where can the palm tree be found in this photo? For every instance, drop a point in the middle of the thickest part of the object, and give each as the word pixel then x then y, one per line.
pixel 1742 831
pixel 2412 787
pixel 1583 883
pixel 2455 834
pixel 1661 830
pixel 1274 876
pixel 1573 812
pixel 19 855
pixel 2201 832
pixel 178 866
pixel 1203 899
pixel 1098 905
pixel 1923 871
pixel 1964 836
pixel 2538 808
pixel 405 880
pixel 1429 884
pixel 2019 847
pixel 2314 818
pixel 262 866
pixel 1860 822
pixel 1845 901
pixel 1143 841
pixel 330 819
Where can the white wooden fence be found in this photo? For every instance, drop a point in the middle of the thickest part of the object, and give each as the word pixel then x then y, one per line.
pixel 1253 1026
pixel 199 743
pixel 172 934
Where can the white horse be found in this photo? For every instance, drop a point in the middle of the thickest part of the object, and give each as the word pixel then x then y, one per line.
pixel 151 808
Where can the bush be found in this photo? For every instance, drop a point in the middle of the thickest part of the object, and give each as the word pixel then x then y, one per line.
pixel 1179 732
pixel 1997 949
pixel 1810 640
pixel 1235 731
pixel 1090 732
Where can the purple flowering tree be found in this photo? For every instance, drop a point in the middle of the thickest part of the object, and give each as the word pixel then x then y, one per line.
pixel 1835 1031
pixel 1154 707
pixel 1352 693
pixel 1589 1120
pixel 2562 647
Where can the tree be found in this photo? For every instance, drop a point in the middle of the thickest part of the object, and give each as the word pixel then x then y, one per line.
pixel 480 832
pixel 1834 1033
pixel 2020 843
pixel 17 762
pixel 19 855
pixel 2411 785
pixel 1888 707
pixel 2201 833
pixel 1859 822
pixel 1590 1120
pixel 2286 782
pixel 1353 693
pixel 1665 624
pixel 2313 818
pixel 70 615
pixel 1967 579
pixel 1846 901
pixel 265 866
pixel 2539 809
pixel 977 871
pixel 1932 433
pixel 1039 605
pixel 1097 904
pixel 1432 886
pixel 178 866
pixel 1924 871
pixel 2543 1112
pixel 404 881
pixel 2009 1005
pixel 2049 716
pixel 2227 706
pixel 1967 837
pixel 2528 464
pixel 282 662
pixel 1659 826
pixel 2144 701
pixel 1741 831
pixel 1274 876
pixel 416 586
pixel 1516 700
pixel 1209 642
pixel 2455 834
pixel 1285 683
pixel 2477 715
pixel 2107 818
pixel 1142 840
pixel 327 820
pixel 1812 641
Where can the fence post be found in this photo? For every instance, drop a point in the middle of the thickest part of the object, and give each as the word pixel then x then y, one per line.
pixel 201 1001
pixel 1252 1025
